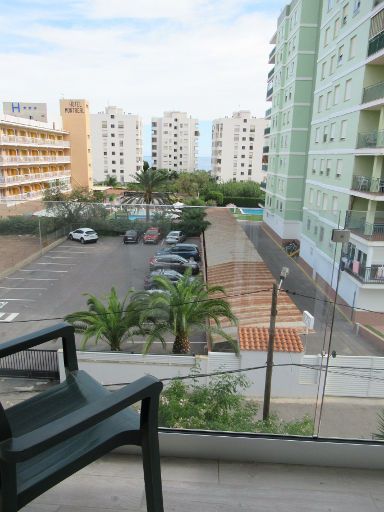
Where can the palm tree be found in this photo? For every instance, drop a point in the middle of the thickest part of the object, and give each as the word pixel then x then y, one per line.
pixel 113 323
pixel 149 180
pixel 179 307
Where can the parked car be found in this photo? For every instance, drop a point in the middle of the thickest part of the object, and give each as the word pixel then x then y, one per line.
pixel 131 237
pixel 172 275
pixel 186 250
pixel 84 235
pixel 152 236
pixel 175 237
pixel 174 262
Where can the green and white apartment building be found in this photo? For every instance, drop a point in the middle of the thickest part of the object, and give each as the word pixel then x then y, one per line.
pixel 343 161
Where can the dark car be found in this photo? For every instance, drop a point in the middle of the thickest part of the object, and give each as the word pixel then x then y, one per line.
pixel 152 236
pixel 174 262
pixel 131 237
pixel 186 250
pixel 172 275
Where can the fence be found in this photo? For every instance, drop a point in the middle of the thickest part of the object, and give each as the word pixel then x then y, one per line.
pixel 33 364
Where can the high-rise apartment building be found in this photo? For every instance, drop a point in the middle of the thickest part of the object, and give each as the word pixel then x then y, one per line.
pixel 33 158
pixel 237 145
pixel 76 121
pixel 35 111
pixel 117 145
pixel 345 176
pixel 290 89
pixel 175 142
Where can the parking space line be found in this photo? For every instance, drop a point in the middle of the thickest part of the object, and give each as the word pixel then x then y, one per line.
pixel 51 263
pixel 59 257
pixel 9 318
pixel 19 300
pixel 33 278
pixel 7 288
pixel 41 270
pixel 69 252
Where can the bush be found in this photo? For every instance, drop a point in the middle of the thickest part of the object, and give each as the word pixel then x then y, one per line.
pixel 216 196
pixel 246 202
pixel 192 221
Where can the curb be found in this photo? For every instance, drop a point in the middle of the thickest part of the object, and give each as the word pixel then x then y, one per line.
pixel 31 258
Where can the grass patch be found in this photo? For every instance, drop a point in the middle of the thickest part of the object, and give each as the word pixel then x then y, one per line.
pixel 257 218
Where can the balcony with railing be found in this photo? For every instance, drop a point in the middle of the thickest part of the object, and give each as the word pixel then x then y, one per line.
pixel 19 179
pixel 6 160
pixel 376 34
pixel 19 140
pixel 357 223
pixel 264 167
pixel 373 93
pixel 367 184
pixel 269 94
pixel 267 130
pixel 373 139
pixel 271 73
pixel 265 149
pixel 268 113
pixel 367 275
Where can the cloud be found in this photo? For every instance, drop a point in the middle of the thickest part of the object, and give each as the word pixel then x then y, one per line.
pixel 206 57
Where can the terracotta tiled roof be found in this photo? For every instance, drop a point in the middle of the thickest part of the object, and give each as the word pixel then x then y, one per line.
pixel 256 338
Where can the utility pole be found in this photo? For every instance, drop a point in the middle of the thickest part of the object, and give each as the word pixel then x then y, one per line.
pixel 271 342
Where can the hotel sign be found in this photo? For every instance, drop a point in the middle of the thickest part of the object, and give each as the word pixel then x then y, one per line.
pixel 74 107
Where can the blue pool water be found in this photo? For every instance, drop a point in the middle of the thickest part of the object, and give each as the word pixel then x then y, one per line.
pixel 252 211
pixel 135 217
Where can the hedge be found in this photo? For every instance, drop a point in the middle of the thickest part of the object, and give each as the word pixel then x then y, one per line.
pixel 246 202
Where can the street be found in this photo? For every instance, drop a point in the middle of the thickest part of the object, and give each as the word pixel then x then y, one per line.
pixel 344 339
pixel 54 285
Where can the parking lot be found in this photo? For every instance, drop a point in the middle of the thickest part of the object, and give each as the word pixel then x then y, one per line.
pixel 43 292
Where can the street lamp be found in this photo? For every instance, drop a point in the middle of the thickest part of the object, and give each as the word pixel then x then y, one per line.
pixel 271 341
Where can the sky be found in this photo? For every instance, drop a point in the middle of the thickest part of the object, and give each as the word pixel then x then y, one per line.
pixel 204 57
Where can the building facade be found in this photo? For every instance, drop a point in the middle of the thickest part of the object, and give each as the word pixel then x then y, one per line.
pixel 175 142
pixel 33 158
pixel 76 120
pixel 237 146
pixel 117 145
pixel 290 89
pixel 34 111
pixel 345 177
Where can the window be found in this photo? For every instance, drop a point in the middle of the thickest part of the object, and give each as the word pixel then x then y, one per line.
pixel 339 168
pixel 311 196
pixel 320 104
pixel 336 28
pixel 321 234
pixel 314 166
pixel 315 230
pixel 333 132
pixel 326 36
pixel 352 47
pixel 322 162
pixel 112 125
pixel 308 224
pixel 332 65
pixel 325 133
pixel 334 203
pixel 345 13
pixel 336 96
pixel 328 169
pixel 356 7
pixel 113 117
pixel 323 70
pixel 330 4
pixel 317 135
pixel 348 90
pixel 329 99
pixel 343 129
pixel 340 55
pixel 318 198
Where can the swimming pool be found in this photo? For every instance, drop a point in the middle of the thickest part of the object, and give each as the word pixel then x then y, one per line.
pixel 252 211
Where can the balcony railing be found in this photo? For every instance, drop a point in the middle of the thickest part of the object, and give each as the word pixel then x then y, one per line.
pixel 33 141
pixel 356 222
pixel 267 130
pixel 29 178
pixel 265 149
pixel 31 159
pixel 269 93
pixel 373 92
pixel 366 184
pixel 268 113
pixel 264 167
pixel 373 139
pixel 369 275
pixel 376 44
pixel 271 73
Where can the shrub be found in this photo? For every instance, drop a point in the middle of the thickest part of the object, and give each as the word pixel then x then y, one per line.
pixel 246 202
pixel 216 196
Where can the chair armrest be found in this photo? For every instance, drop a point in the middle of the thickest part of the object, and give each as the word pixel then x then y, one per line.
pixel 28 445
pixel 62 330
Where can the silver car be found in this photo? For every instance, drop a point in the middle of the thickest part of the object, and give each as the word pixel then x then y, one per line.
pixel 175 237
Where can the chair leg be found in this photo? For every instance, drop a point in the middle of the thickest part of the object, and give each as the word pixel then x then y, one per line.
pixel 152 471
pixel 8 491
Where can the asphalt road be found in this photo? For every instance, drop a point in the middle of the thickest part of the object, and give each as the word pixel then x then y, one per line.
pixel 344 340
pixel 54 285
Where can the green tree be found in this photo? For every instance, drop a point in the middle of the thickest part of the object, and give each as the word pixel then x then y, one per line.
pixel 220 405
pixel 192 221
pixel 150 180
pixel 177 308
pixel 111 181
pixel 114 322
